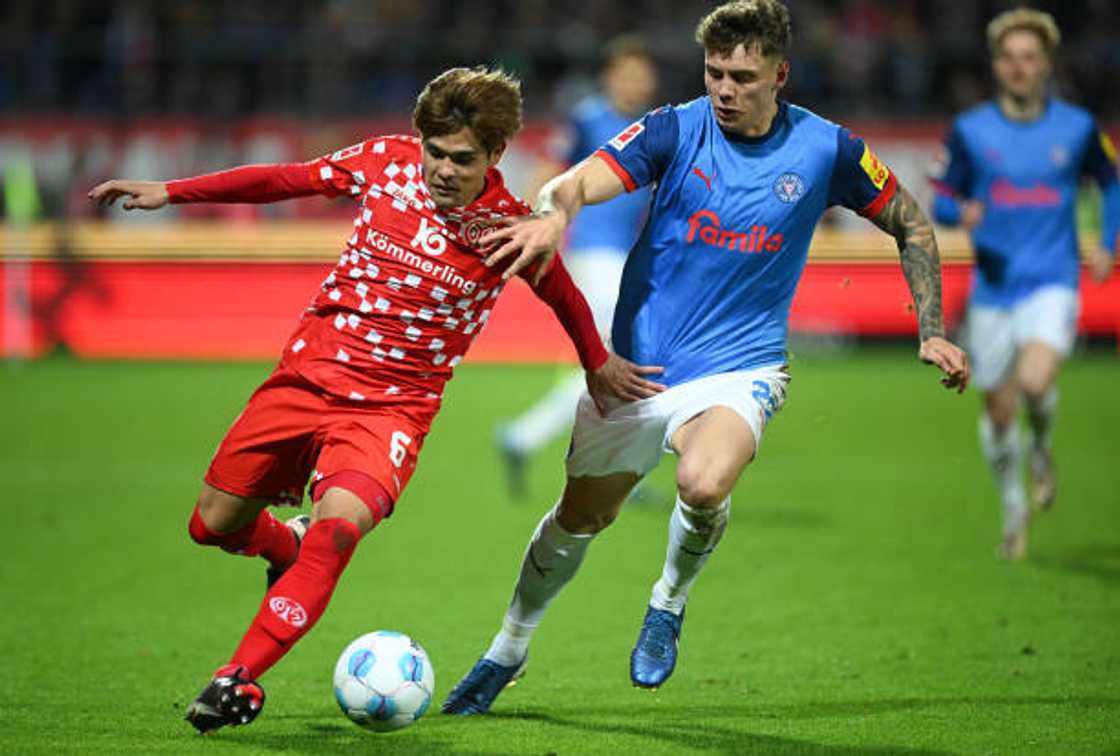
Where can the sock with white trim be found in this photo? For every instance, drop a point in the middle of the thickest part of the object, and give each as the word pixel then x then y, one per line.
pixel 1004 452
pixel 1041 413
pixel 693 536
pixel 551 560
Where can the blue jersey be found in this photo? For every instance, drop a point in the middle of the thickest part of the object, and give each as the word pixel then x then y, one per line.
pixel 1026 174
pixel 611 225
pixel 708 285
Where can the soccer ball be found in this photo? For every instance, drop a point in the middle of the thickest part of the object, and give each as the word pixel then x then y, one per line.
pixel 384 681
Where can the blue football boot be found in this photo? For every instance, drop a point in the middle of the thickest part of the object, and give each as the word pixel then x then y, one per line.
pixel 655 654
pixel 476 692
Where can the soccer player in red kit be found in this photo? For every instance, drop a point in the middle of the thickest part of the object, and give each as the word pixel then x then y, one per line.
pixel 361 378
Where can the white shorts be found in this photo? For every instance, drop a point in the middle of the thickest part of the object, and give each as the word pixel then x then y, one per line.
pixel 995 334
pixel 633 436
pixel 597 271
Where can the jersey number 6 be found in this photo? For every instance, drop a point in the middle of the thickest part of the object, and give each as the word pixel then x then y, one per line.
pixel 398 447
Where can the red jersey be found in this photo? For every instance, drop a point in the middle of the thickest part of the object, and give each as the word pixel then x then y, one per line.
pixel 410 292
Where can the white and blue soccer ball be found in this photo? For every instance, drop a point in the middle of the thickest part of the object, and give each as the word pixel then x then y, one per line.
pixel 384 681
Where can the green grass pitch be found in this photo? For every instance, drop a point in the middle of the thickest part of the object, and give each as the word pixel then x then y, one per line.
pixel 854 605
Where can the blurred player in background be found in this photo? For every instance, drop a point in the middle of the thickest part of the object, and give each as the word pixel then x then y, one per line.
pixel 361 378
pixel 598 240
pixel 1011 177
pixel 742 178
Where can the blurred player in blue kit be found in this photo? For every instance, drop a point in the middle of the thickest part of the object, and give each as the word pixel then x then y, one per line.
pixel 1010 176
pixel 598 240
pixel 740 179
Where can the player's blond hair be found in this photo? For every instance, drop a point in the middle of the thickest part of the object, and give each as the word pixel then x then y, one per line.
pixel 624 46
pixel 750 23
pixel 488 101
pixel 1024 19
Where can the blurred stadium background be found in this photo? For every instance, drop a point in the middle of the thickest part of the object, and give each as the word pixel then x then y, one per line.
pixel 93 90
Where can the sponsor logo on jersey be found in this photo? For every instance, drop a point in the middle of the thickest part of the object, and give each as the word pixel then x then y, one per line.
pixel 789 187
pixel 288 611
pixel 348 152
pixel 706 226
pixel 444 273
pixel 706 179
pixel 627 135
pixel 874 168
pixel 429 238
pixel 1006 194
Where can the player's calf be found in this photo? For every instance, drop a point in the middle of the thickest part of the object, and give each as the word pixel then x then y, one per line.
pixel 298 525
pixel 263 536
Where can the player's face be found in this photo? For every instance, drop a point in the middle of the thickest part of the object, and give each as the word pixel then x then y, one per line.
pixel 1022 65
pixel 630 82
pixel 455 167
pixel 743 88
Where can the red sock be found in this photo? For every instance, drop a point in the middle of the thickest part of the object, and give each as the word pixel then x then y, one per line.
pixel 298 599
pixel 265 536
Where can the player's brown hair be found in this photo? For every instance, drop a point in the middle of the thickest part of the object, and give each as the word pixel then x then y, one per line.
pixel 1024 19
pixel 750 23
pixel 484 100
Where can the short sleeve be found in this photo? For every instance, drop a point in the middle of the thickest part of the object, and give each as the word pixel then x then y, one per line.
pixel 1100 158
pixel 641 152
pixel 568 144
pixel 952 172
pixel 348 171
pixel 860 181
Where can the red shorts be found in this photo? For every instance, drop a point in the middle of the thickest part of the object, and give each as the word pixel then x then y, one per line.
pixel 291 428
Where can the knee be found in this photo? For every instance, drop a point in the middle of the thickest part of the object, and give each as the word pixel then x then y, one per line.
pixel 1002 412
pixel 581 522
pixel 701 486
pixel 197 529
pixel 1034 386
pixel 579 518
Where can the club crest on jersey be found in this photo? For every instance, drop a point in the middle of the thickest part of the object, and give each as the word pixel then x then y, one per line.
pixel 1059 155
pixel 627 136
pixel 789 187
pixel 473 230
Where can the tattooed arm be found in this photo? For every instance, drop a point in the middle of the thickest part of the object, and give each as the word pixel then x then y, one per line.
pixel 903 219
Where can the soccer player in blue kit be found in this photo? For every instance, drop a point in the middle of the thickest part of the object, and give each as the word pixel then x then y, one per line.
pixel 598 239
pixel 1010 177
pixel 740 180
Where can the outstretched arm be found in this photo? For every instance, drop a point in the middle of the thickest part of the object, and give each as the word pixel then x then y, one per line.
pixel 248 183
pixel 903 219
pixel 537 238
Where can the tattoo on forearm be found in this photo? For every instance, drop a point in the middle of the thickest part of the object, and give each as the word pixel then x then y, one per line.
pixel 903 219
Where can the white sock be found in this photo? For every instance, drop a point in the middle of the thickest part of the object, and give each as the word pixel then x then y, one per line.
pixel 1041 411
pixel 551 415
pixel 1004 452
pixel 550 561
pixel 693 535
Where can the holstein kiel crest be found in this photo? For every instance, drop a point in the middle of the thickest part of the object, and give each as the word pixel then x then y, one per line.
pixel 789 187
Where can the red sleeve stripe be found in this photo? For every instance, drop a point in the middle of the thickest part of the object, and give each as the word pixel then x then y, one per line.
pixel 619 171
pixel 880 202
